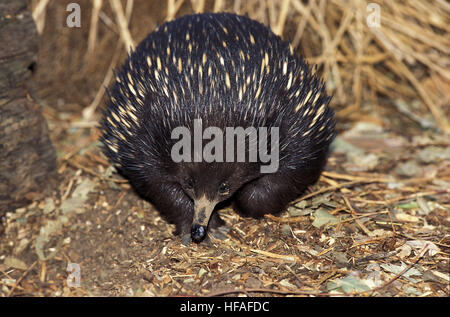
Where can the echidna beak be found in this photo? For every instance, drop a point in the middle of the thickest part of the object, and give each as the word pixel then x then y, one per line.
pixel 203 209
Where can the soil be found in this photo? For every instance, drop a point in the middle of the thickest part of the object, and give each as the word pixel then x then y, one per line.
pixel 124 248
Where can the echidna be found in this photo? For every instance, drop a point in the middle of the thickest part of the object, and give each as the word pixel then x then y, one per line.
pixel 219 72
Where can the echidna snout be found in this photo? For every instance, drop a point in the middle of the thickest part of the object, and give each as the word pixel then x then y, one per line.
pixel 203 209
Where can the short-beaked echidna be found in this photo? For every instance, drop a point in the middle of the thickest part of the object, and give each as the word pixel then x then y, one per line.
pixel 225 71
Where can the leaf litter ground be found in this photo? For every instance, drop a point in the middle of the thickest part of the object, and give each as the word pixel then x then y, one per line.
pixel 376 224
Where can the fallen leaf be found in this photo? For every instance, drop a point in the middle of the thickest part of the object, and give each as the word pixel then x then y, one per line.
pixel 410 205
pixel 201 272
pixel 404 251
pixel 411 290
pixel 84 188
pixel 295 212
pixel 445 277
pixel 287 284
pixel 323 217
pixel 16 263
pixel 322 199
pixel 79 197
pixel 436 276
pixel 397 269
pixel 49 206
pixel 420 244
pixel 286 230
pixel 301 204
pixel 72 204
pixel 434 153
pixel 405 217
pixel 348 284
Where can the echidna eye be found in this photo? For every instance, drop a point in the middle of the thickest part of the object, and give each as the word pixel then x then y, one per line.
pixel 189 183
pixel 224 188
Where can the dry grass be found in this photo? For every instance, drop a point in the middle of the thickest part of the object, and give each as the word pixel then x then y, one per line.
pixel 404 60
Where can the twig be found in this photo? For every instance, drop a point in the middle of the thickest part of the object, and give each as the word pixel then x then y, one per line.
pixel 290 258
pixel 198 5
pixel 90 171
pixel 90 110
pixel 283 292
pixel 438 115
pixel 96 6
pixel 330 188
pixel 353 213
pixel 39 15
pixel 400 198
pixel 237 6
pixel 129 10
pixel 418 257
pixel 21 278
pixel 265 290
pixel 278 29
pixel 108 22
pixel 218 5
pixel 172 8
pixel 371 240
pixel 68 189
pixel 123 24
pixel 377 256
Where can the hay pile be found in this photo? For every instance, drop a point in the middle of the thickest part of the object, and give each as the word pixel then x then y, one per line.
pixel 386 64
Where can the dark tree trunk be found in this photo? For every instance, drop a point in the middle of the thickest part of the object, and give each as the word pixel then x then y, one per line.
pixel 27 157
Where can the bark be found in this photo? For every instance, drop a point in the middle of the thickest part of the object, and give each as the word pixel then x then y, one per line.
pixel 27 157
